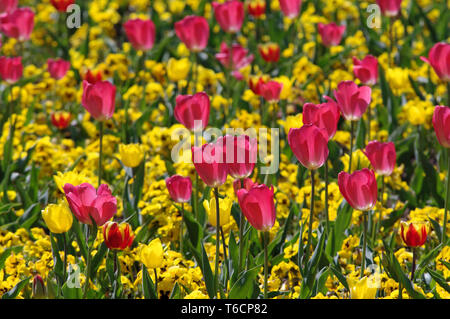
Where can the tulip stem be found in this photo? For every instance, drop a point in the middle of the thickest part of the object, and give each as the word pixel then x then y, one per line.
pixel 65 255
pixel 181 228
pixel 241 236
pixel 116 275
pixel 266 261
pixel 156 282
pixel 196 196
pixel 413 264
pixel 380 216
pixel 224 246
pixel 326 197
pixel 88 262
pixel 363 259
pixel 216 269
pixel 444 226
pixel 100 158
pixel 352 132
pixel 311 213
pixel 194 72
pixel 368 124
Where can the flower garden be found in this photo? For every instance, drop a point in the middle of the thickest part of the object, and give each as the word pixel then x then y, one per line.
pixel 193 149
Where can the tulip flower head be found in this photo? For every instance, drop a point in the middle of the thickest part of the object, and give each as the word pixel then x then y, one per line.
pixel 131 154
pixel 18 24
pixel 325 115
pixel 247 183
pixel 331 33
pixel 209 162
pixel 58 218
pixel 241 154
pixel 192 110
pixel 390 8
pixel 362 288
pixel 257 205
pixel 141 33
pixel 290 8
pixel 271 91
pixel 117 236
pixel 193 31
pixel 256 8
pixel 99 99
pixel 61 5
pixel 58 68
pixel 152 255
pixel 352 100
pixel 11 69
pixel 234 59
pixel 180 188
pixel 229 15
pixel 309 145
pixel 414 234
pixel 93 77
pixel 61 119
pixel 255 82
pixel 38 288
pixel 439 59
pixel 88 204
pixel 225 210
pixel 382 156
pixel 359 189
pixel 8 6
pixel 270 52
pixel 441 124
pixel 366 70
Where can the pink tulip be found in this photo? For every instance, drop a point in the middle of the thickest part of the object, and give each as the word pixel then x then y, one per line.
pixel 241 154
pixel 290 8
pixel 58 68
pixel 236 60
pixel 193 31
pixel 366 70
pixel 390 8
pixel 88 204
pixel 271 91
pixel 18 24
pixel 441 124
pixel 180 188
pixel 325 115
pixel 11 69
pixel 439 59
pixel 382 156
pixel 257 205
pixel 209 162
pixel 141 33
pixel 331 33
pixel 7 6
pixel 359 189
pixel 192 110
pixel 352 100
pixel 99 99
pixel 229 15
pixel 309 145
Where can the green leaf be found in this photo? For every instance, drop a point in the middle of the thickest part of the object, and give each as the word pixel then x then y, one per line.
pixel 176 292
pixel 439 279
pixel 339 276
pixel 426 259
pixel 147 285
pixel 7 252
pixel 243 287
pixel 97 260
pixel 401 276
pixel 14 292
pixel 72 293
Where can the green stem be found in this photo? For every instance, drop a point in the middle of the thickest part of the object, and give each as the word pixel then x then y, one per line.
pixel 378 228
pixel 197 182
pixel 181 228
pixel 444 226
pixel 216 269
pixel 194 72
pixel 156 282
pixel 368 124
pixel 100 158
pixel 116 278
pixel 88 263
pixel 363 259
pixel 311 215
pixel 241 236
pixel 326 198
pixel 65 255
pixel 413 269
pixel 224 247
pixel 352 132
pixel 266 261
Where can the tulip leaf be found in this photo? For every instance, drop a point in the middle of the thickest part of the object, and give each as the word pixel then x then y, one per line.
pixel 97 260
pixel 72 292
pixel 339 276
pixel 439 279
pixel 427 258
pixel 403 279
pixel 436 227
pixel 147 285
pixel 176 292
pixel 195 231
pixel 14 292
pixel 58 267
pixel 243 287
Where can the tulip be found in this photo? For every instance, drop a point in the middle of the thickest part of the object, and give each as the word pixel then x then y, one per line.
pixel 180 188
pixel 193 31
pixel 62 5
pixel 93 77
pixel 11 69
pixel 271 91
pixel 117 236
pixel 131 154
pixel 439 59
pixel 141 33
pixel 61 119
pixel 255 82
pixel 99 99
pixel 256 8
pixel 290 8
pixel 192 110
pixel 178 70
pixel 152 255
pixel 241 153
pixel 225 210
pixel 229 15
pixel 209 163
pixel 414 235
pixel 88 204
pixel 234 60
pixel 366 70
pixel 58 68
pixel 7 6
pixel 38 288
pixel 382 156
pixel 389 8
pixel 270 52
pixel 18 24
pixel 331 33
pixel 362 288
pixel 245 183
pixel 325 115
pixel 58 218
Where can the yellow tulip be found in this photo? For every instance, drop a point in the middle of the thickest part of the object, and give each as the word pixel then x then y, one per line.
pixel 131 154
pixel 178 70
pixel 152 255
pixel 58 218
pixel 225 210
pixel 364 288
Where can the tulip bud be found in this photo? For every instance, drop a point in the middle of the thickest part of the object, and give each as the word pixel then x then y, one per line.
pixel 152 255
pixel 352 100
pixel 141 33
pixel 382 156
pixel 117 236
pixel 99 99
pixel 58 218
pixel 180 188
pixel 331 33
pixel 414 234
pixel 193 31
pixel 441 124
pixel 131 155
pixel 38 288
pixel 225 210
pixel 359 189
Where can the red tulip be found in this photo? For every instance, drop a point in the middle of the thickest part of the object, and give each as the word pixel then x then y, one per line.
pixel 210 164
pixel 99 99
pixel 93 77
pixel 389 8
pixel 61 120
pixel 359 189
pixel 439 59
pixel 87 204
pixel 237 184
pixel 413 234
pixel 271 91
pixel 141 33
pixel 325 115
pixel 229 15
pixel 11 69
pixel 309 145
pixel 352 100
pixel 256 8
pixel 257 205
pixel 290 8
pixel 382 156
pixel 366 70
pixel 192 110
pixel 38 288
pixel 8 5
pixel 18 24
pixel 236 61
pixel 180 188
pixel 58 68
pixel 441 124
pixel 331 33
pixel 62 5
pixel 255 82
pixel 193 31
pixel 270 52
pixel 241 153
pixel 117 236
